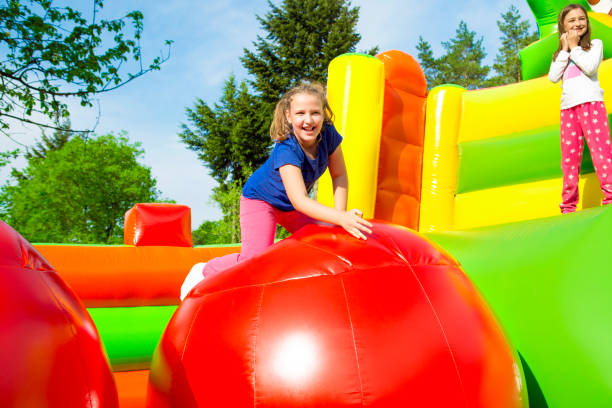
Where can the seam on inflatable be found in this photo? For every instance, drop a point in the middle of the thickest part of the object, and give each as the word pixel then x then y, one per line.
pixel 450 350
pixel 188 336
pixel 254 348
pixel 348 311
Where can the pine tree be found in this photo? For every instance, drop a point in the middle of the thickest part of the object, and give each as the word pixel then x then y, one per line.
pixel 60 137
pixel 462 63
pixel 302 37
pixel 229 138
pixel 514 36
pixel 428 63
pixel 50 143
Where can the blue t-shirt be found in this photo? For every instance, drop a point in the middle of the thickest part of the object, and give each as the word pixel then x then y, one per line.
pixel 266 184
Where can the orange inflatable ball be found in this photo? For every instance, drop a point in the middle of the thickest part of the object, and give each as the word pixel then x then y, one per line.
pixel 322 319
pixel 50 352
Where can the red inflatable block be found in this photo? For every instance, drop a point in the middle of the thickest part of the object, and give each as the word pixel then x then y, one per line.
pixel 158 224
pixel 50 352
pixel 322 319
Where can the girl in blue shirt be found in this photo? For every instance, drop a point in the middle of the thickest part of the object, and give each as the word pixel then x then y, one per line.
pixel 306 145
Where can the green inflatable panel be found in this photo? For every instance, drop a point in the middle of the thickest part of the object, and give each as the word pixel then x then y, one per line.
pixel 517 158
pixel 130 334
pixel 550 283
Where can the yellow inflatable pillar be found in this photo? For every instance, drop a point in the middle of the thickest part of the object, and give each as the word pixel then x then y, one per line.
pixel 355 90
pixel 444 111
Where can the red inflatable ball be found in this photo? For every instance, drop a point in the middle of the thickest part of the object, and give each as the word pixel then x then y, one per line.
pixel 50 352
pixel 322 319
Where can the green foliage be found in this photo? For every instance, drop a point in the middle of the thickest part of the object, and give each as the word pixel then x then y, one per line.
pixel 53 53
pixel 227 229
pixel 6 157
pixel 232 138
pixel 47 143
pixel 462 63
pixel 228 197
pixel 60 137
pixel 514 37
pixel 428 62
pixel 78 193
pixel 211 233
pixel 302 37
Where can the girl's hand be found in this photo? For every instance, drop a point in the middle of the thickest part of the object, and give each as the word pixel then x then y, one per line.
pixel 572 39
pixel 563 39
pixel 352 221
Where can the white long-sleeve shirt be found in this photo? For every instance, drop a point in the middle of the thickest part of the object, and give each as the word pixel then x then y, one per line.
pixel 578 69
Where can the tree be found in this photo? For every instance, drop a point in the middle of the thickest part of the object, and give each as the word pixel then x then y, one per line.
pixel 80 192
pixel 226 230
pixel 462 63
pixel 53 53
pixel 514 37
pixel 302 37
pixel 230 139
pixel 47 143
pixel 428 62
pixel 211 233
pixel 56 141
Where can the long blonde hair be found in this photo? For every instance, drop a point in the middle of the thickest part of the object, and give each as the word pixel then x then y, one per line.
pixel 280 127
pixel 585 39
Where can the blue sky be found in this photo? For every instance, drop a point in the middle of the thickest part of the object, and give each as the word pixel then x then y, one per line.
pixel 209 37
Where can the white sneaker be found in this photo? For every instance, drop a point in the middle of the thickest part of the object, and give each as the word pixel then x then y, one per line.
pixel 194 277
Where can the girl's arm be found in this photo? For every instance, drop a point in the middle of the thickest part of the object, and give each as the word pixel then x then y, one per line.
pixel 588 61
pixel 351 220
pixel 557 68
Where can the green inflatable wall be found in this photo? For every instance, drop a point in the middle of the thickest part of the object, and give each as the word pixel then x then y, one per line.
pixel 550 283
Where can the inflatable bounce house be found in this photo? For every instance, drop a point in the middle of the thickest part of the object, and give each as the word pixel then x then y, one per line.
pixel 472 291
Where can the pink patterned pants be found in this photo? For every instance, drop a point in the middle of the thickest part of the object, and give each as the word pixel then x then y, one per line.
pixel 591 121
pixel 258 221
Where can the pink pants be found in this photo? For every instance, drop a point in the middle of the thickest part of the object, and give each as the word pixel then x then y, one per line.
pixel 258 221
pixel 591 120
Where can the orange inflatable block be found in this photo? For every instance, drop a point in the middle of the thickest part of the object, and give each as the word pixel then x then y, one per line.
pixel 398 191
pixel 154 224
pixel 397 208
pixel 402 71
pixel 398 168
pixel 132 388
pixel 403 116
pixel 106 276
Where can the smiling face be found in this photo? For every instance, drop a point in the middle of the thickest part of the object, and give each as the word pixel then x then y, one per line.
pixel 305 115
pixel 576 20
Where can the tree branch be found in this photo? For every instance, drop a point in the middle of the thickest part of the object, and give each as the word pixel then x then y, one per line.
pixel 41 124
